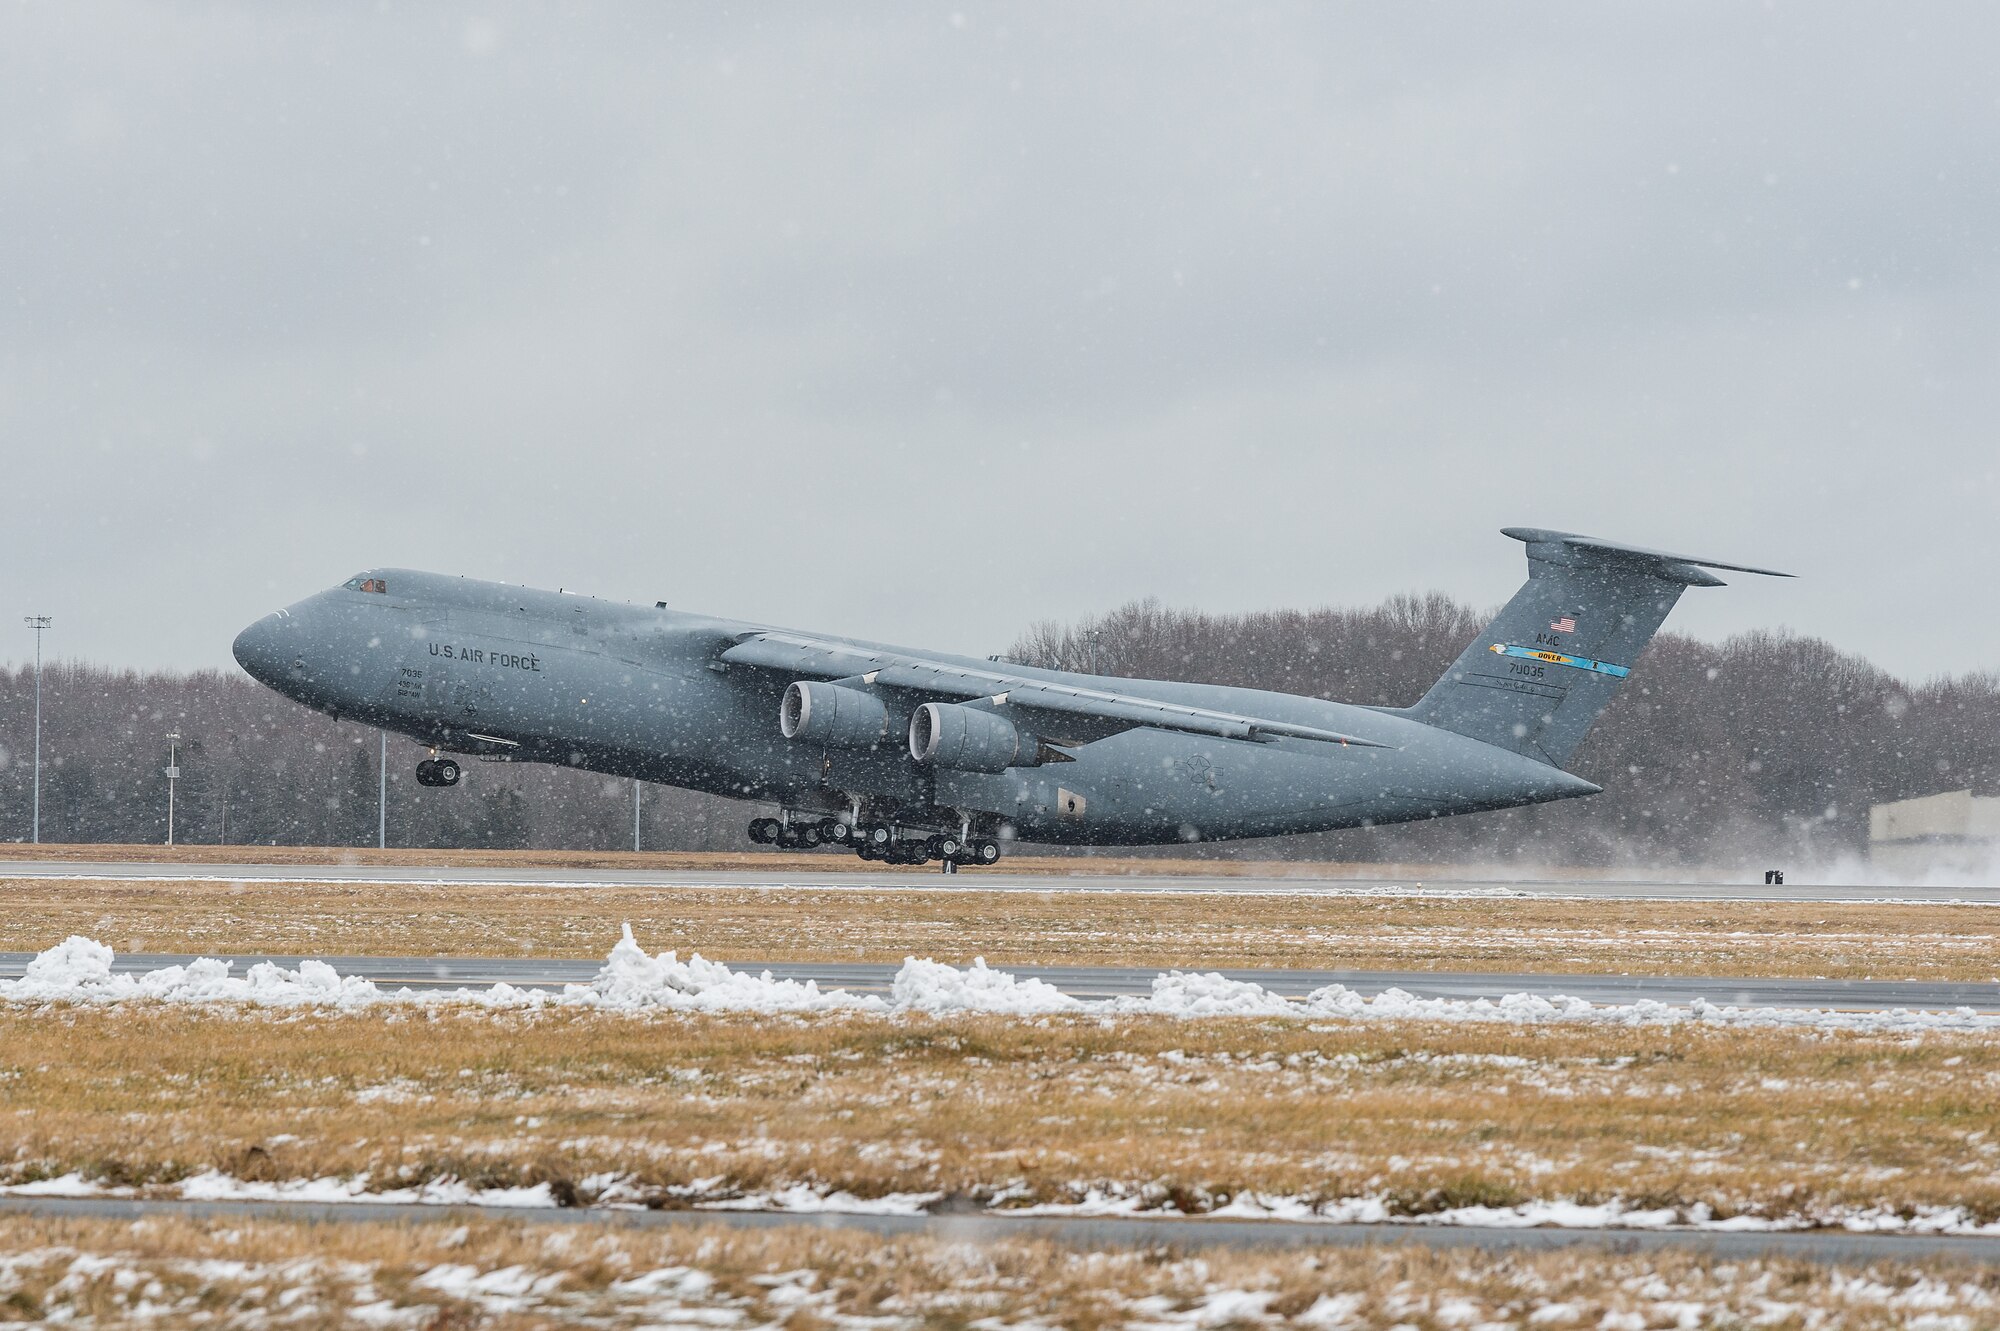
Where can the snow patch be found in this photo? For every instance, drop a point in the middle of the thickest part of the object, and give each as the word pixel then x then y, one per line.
pixel 1210 995
pixel 1098 1201
pixel 214 1186
pixel 632 981
pixel 932 986
pixel 802 1199
pixel 82 970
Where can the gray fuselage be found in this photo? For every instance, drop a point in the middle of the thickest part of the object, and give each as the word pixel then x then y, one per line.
pixel 512 673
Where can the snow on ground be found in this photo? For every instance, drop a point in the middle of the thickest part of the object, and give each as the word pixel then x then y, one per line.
pixel 1096 1202
pixel 81 970
pixel 632 980
pixel 932 986
pixel 458 1279
pixel 1130 1203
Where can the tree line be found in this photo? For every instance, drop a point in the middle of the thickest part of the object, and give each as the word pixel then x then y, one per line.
pixel 258 769
pixel 1765 745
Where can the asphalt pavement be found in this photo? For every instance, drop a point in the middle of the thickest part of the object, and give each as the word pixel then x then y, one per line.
pixel 876 877
pixel 1088 1233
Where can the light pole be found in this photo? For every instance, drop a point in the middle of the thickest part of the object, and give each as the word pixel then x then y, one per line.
pixel 173 775
pixel 382 796
pixel 38 623
pixel 636 789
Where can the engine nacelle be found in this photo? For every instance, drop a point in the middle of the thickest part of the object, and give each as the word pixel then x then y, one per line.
pixel 829 714
pixel 967 739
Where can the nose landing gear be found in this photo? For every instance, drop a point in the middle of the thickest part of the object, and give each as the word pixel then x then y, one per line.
pixel 438 772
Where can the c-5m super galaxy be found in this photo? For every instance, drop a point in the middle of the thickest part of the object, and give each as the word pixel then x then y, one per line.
pixel 910 756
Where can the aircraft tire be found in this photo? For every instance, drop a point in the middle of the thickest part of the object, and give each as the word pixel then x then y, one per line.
pixel 807 835
pixel 876 835
pixel 764 831
pixel 447 772
pixel 947 847
pixel 426 772
pixel 835 831
pixel 986 852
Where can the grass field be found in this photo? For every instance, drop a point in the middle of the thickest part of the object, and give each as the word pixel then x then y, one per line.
pixel 164 1273
pixel 1189 1116
pixel 1407 1118
pixel 1016 928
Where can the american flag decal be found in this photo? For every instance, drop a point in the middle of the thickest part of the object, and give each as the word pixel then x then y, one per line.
pixel 1567 624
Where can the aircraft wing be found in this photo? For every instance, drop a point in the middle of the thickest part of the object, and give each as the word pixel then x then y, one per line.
pixel 1106 711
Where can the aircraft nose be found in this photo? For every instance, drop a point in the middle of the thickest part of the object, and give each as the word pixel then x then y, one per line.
pixel 260 649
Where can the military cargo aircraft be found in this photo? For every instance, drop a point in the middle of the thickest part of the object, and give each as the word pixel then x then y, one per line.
pixel 911 756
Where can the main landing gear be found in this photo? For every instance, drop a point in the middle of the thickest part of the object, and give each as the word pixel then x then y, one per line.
pixel 438 772
pixel 946 848
pixel 789 835
pixel 880 842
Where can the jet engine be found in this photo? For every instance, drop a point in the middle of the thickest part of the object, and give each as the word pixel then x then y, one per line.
pixel 967 739
pixel 829 714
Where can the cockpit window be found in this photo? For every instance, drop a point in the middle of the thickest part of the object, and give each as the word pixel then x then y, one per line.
pixel 358 584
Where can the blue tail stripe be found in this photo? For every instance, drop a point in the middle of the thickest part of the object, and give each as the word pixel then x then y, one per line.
pixel 1561 658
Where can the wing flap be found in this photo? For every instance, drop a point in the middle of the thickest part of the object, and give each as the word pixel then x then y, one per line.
pixel 835 660
pixel 1168 716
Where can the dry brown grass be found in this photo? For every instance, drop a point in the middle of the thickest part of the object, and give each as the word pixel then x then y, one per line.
pixel 182 1272
pixel 1186 1113
pixel 1016 928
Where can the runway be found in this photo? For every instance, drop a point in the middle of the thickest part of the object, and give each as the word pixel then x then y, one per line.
pixel 1079 1232
pixel 878 878
pixel 1097 982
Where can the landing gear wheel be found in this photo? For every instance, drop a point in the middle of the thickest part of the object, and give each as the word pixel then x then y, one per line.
pixel 876 835
pixel 806 835
pixel 427 773
pixel 835 831
pixel 446 771
pixel 947 847
pixel 764 831
pixel 986 852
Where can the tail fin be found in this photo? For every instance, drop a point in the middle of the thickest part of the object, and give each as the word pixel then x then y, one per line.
pixel 1549 663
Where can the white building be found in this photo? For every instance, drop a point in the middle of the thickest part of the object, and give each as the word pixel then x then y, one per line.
pixel 1955 833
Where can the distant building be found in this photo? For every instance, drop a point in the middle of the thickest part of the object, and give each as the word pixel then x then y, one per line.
pixel 1957 832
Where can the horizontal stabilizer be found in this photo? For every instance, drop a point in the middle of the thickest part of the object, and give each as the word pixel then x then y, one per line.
pixel 1678 568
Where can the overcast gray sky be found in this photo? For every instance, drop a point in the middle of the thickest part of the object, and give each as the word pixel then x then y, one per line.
pixel 921 325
